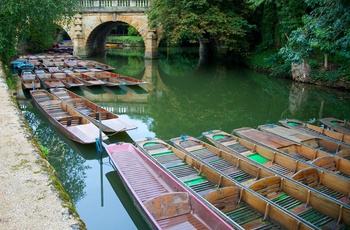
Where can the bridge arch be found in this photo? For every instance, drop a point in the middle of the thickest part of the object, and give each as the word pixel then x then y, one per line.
pixel 89 31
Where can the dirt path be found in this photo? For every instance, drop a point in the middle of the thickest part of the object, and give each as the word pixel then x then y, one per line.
pixel 29 191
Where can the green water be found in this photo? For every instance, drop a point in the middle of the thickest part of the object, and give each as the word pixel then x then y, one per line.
pixel 183 97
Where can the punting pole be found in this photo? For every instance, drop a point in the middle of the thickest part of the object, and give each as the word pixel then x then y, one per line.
pixel 101 159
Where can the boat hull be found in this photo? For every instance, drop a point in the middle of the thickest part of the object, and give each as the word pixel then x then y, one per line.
pixel 164 202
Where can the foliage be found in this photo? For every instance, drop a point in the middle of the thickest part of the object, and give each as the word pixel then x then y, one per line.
pixel 45 150
pixel 221 22
pixel 132 31
pixel 127 40
pixel 33 22
pixel 325 30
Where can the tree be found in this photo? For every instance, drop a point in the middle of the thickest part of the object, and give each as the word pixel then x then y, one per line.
pixel 215 21
pixel 325 31
pixel 31 21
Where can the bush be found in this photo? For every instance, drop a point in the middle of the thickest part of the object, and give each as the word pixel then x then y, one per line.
pixel 127 40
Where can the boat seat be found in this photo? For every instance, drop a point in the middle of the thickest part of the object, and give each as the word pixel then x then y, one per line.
pixel 327 162
pixel 70 120
pixel 307 176
pixel 97 117
pixel 169 205
pixel 268 186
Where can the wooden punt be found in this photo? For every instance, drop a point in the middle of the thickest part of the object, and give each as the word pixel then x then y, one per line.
pixel 323 144
pixel 47 80
pixel 68 80
pixel 110 122
pixel 321 131
pixel 30 80
pixel 89 64
pixel 297 151
pixel 282 164
pixel 338 125
pixel 109 81
pixel 88 78
pixel 293 197
pixel 65 118
pixel 127 80
pixel 235 203
pixel 164 202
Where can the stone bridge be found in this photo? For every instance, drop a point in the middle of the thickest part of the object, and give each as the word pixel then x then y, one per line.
pixel 96 19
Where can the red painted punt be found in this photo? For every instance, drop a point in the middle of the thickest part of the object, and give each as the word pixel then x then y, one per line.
pixel 164 202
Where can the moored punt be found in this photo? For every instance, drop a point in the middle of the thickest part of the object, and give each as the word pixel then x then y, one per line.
pixel 323 132
pixel 164 202
pixel 315 142
pixel 336 124
pixel 293 197
pixel 30 80
pixel 328 183
pixel 68 80
pixel 88 78
pixel 65 118
pixel 89 64
pixel 47 80
pixel 127 80
pixel 300 152
pixel 110 122
pixel 232 201
pixel 109 81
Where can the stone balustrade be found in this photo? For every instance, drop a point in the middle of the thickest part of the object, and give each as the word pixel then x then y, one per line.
pixel 115 5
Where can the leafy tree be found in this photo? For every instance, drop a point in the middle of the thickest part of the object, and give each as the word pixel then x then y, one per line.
pixel 325 31
pixel 217 21
pixel 31 21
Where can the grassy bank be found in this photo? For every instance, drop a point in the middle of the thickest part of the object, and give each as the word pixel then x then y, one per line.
pixel 127 40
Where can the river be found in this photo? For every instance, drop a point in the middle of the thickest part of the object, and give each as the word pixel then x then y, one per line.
pixel 183 97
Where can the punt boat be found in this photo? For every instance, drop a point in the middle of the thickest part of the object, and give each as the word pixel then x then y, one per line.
pixel 323 144
pixel 109 81
pixel 47 80
pixel 127 80
pixel 68 80
pixel 65 118
pixel 110 122
pixel 164 202
pixel 231 200
pixel 283 165
pixel 88 78
pixel 319 211
pixel 338 125
pixel 321 131
pixel 300 152
pixel 30 80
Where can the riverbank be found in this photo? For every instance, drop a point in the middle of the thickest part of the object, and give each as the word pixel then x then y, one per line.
pixel 31 196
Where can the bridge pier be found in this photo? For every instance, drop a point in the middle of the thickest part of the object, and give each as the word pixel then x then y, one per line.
pixel 151 45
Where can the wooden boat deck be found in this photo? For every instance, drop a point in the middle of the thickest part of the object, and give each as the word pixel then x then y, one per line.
pixel 275 188
pixel 274 162
pixel 300 152
pixel 316 130
pixel 67 120
pixel 241 213
pixel 127 80
pixel 315 142
pixel 151 190
pixel 336 124
pixel 110 122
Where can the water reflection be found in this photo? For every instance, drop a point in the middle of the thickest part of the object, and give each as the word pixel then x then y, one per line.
pixel 179 99
pixel 64 154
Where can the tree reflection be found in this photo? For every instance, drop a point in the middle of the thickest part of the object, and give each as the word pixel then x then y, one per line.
pixel 68 164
